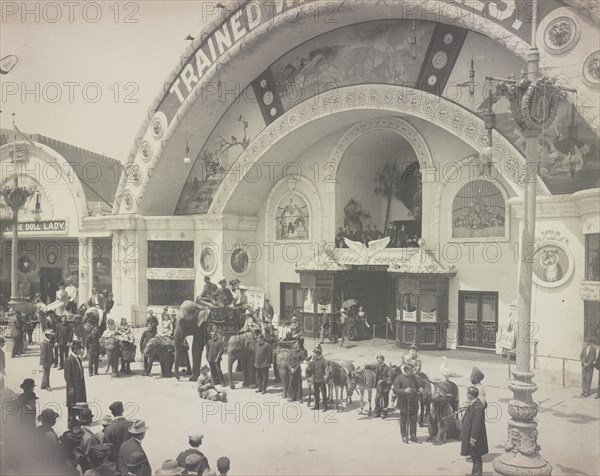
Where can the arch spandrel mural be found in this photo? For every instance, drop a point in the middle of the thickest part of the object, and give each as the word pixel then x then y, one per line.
pixel 373 52
pixel 234 132
pixel 564 170
pixel 382 52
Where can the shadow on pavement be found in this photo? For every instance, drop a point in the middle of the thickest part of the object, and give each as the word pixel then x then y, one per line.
pixel 565 470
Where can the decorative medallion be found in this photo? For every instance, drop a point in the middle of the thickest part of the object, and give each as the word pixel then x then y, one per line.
pixel 128 199
pixel 561 35
pixel 263 83
pixel 146 151
pixel 439 60
pixel 553 262
pixel 448 38
pixel 158 125
pixel 432 80
pixel 268 98
pixel 591 70
pixel 132 173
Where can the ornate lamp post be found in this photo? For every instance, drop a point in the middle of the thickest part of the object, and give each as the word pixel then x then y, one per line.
pixel 533 103
pixel 15 198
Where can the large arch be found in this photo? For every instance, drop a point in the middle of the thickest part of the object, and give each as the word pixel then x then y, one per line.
pixel 391 99
pixel 157 133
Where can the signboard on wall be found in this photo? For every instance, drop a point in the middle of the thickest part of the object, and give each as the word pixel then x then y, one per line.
pixel 47 226
pixel 428 316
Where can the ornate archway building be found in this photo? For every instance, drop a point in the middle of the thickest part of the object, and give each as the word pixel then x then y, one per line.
pixel 298 118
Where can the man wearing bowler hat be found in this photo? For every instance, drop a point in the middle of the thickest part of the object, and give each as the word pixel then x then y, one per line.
pixel 74 378
pixel 27 403
pixel 49 444
pixel 118 431
pixel 137 432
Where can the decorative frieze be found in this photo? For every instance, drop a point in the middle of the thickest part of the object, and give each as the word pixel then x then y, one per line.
pixel 589 290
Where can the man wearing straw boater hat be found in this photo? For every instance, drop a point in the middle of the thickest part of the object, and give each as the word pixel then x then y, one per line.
pixel 137 432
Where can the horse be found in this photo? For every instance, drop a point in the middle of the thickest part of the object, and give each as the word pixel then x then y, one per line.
pixel 365 380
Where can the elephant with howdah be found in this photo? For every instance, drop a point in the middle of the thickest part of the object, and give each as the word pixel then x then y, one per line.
pixel 191 321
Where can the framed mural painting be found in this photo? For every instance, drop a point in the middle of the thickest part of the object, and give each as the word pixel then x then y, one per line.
pixel 552 264
pixel 292 220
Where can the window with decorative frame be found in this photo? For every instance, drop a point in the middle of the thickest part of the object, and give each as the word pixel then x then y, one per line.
pixel 170 254
pixel 479 211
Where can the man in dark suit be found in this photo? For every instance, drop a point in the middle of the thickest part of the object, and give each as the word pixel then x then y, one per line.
pixel 382 387
pixel 75 379
pixel 47 357
pixel 118 431
pixel 587 357
pixel 195 441
pixel 406 387
pixel 137 432
pixel 473 434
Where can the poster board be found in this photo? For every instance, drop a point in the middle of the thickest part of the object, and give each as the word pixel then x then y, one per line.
pixel 256 297
pixel 506 340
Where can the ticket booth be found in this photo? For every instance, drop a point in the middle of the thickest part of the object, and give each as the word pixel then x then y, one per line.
pixel 323 293
pixel 421 311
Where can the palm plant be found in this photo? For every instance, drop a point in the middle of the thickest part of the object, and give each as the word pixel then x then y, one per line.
pixel 387 183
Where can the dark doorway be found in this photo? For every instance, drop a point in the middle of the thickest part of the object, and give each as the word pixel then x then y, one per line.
pixel 49 279
pixel 478 318
pixel 371 289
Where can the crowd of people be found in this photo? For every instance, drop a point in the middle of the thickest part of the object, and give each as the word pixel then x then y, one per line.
pixel 115 450
pixel 399 236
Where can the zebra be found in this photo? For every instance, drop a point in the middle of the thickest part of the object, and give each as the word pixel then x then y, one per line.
pixel 364 379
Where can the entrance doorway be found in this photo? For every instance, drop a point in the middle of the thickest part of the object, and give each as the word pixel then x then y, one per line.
pixel 292 298
pixel 49 279
pixel 478 318
pixel 371 289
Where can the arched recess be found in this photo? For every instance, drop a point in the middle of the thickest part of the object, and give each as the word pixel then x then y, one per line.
pixel 304 188
pixel 130 196
pixel 452 184
pixel 395 99
pixel 52 173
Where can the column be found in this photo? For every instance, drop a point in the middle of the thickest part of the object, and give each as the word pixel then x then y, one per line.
pixel 92 257
pixel 85 255
pixel 116 268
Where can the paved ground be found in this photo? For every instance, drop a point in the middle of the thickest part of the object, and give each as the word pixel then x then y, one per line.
pixel 264 435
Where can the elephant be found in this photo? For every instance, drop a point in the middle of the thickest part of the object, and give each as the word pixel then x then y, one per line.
pixel 160 347
pixel 282 362
pixel 242 348
pixel 191 321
